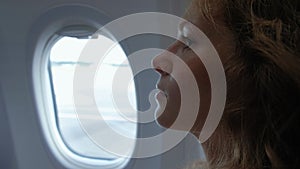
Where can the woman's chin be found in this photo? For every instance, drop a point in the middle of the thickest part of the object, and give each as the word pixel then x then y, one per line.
pixel 162 122
pixel 170 121
pixel 165 118
pixel 158 116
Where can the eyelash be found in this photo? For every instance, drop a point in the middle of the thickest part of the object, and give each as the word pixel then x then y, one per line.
pixel 187 42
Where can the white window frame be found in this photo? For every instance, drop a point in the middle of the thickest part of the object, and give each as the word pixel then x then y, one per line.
pixel 43 94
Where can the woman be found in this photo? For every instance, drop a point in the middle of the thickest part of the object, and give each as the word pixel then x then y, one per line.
pixel 258 44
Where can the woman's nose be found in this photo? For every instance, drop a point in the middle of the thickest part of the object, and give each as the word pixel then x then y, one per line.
pixel 163 63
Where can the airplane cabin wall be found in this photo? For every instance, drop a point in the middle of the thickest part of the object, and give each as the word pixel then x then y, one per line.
pixel 22 144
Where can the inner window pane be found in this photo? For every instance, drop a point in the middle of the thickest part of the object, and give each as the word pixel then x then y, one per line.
pixel 63 60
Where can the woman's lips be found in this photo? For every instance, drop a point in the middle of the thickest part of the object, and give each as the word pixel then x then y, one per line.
pixel 160 95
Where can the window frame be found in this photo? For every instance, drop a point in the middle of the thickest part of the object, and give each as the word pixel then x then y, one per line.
pixel 47 27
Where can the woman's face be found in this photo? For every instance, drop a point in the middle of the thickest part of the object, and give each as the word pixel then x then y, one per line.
pixel 172 72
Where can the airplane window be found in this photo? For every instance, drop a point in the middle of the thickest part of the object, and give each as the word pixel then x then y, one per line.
pixel 63 61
